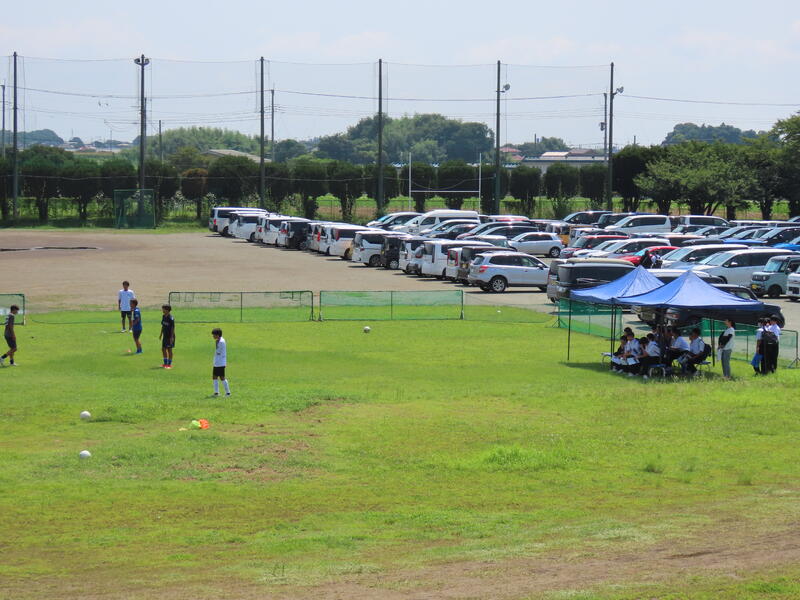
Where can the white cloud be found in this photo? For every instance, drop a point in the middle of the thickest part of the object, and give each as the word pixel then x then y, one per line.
pixel 82 38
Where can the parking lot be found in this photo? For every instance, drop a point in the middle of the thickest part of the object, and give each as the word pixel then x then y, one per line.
pixel 82 269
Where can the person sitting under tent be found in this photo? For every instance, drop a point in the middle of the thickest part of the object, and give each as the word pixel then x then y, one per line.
pixel 698 352
pixel 616 357
pixel 678 345
pixel 630 358
pixel 651 355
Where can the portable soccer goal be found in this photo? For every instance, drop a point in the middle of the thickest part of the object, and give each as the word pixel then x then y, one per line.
pixel 134 209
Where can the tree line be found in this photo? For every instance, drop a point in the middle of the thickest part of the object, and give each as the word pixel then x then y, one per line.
pixel 703 177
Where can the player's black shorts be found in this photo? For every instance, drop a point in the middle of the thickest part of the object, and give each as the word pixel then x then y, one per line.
pixel 126 313
pixel 12 342
pixel 218 372
pixel 136 333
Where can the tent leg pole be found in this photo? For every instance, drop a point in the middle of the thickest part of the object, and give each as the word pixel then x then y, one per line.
pixel 569 328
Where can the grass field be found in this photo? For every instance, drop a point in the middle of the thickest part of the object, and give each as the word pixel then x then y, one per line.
pixel 345 457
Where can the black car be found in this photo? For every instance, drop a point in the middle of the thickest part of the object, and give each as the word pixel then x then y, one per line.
pixel 297 234
pixel 582 275
pixel 686 317
pixel 390 251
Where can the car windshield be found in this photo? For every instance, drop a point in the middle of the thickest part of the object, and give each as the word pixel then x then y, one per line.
pixel 775 265
pixel 581 242
pixel 716 259
pixel 613 246
pixel 678 254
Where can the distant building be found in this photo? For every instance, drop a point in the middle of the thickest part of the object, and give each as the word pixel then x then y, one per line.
pixel 216 153
pixel 577 157
pixel 512 153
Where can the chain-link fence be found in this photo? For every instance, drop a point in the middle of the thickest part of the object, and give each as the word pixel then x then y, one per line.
pixel 134 209
pixel 9 300
pixel 243 307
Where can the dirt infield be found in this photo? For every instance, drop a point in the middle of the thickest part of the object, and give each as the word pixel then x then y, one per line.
pixel 58 270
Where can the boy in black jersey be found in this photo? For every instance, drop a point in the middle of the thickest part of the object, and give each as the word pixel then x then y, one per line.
pixel 167 335
pixel 10 336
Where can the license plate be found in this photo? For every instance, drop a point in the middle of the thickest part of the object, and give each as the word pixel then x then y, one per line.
pixel 755 286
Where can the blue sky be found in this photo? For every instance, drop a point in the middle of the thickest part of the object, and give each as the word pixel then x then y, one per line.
pixel 726 51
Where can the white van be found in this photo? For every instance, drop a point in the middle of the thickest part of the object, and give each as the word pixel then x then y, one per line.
pixel 737 267
pixel 407 250
pixel 315 234
pixel 454 258
pixel 245 225
pixel 434 256
pixel 272 227
pixel 706 220
pixel 218 219
pixel 434 217
pixel 641 223
pixel 367 246
pixel 340 239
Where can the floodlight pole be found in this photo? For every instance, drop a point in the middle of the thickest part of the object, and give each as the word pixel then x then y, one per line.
pixel 3 128
pixel 262 171
pixel 379 199
pixel 497 149
pixel 15 156
pixel 610 151
pixel 142 62
pixel 272 125
pixel 410 200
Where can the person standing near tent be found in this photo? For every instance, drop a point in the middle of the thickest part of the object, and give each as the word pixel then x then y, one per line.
pixel 725 345
pixel 770 341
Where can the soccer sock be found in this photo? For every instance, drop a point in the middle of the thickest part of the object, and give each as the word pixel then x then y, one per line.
pixel 166 361
pixel 227 387
pixel 216 386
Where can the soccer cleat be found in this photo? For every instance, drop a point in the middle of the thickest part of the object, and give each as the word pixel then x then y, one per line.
pixel 138 352
pixel 216 394
pixel 123 331
pixel 167 366
pixel 228 394
pixel 13 364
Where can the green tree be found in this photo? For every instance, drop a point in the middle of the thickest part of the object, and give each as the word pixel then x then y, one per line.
pixel 288 149
pixel 162 178
pixel 194 187
pixel 5 189
pixel 80 180
pixel 593 184
pixel 524 185
pixel 309 181
pixel 40 167
pixel 423 177
pixel 279 184
pixel 346 182
pixel 232 178
pixel 689 132
pixel 788 132
pixel 545 144
pixel 117 174
pixel 200 138
pixel 561 183
pixel 455 176
pixel 187 157
pixel 337 147
pixel 762 157
pixel 630 162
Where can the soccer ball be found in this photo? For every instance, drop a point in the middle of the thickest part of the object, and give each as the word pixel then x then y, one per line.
pixel 85 454
pixel 367 329
pixel 86 415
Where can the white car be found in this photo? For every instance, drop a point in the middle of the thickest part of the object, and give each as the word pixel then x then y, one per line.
pixel 538 242
pixel 688 256
pixel 367 246
pixel 407 250
pixel 245 225
pixel 497 271
pixel 392 219
pixel 640 223
pixel 454 259
pixel 737 267
pixel 434 256
pixel 315 234
pixel 272 226
pixel 340 240
pixel 433 218
pixel 622 247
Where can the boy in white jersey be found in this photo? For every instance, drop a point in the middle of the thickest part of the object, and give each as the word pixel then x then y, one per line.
pixel 124 298
pixel 220 362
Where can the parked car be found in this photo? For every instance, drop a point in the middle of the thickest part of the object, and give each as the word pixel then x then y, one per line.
pixel 737 267
pixel 454 260
pixel 576 274
pixel 286 231
pixel 628 247
pixel 392 219
pixel 496 240
pixel 340 240
pixel 773 237
pixel 391 249
pixel 434 256
pixel 674 239
pixel 590 242
pixel 497 271
pixel 409 247
pixel 367 246
pixel 648 257
pixel 699 220
pixel 538 242
pixel 218 218
pixel 451 232
pixel 272 227
pixel 642 223
pixel 688 256
pixel 773 279
pixel 444 225
pixel 245 225
pixel 467 255
pixel 793 287
pixel 315 232
pixel 667 275
pixel 297 235
pixel 614 218
pixel 688 317
pixel 433 217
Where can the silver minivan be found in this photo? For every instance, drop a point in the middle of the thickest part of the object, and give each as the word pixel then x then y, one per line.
pixel 773 279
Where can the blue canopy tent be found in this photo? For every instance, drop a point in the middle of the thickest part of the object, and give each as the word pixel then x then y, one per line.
pixel 638 281
pixel 689 291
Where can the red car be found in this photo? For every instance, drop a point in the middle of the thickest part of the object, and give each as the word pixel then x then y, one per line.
pixel 587 242
pixel 650 256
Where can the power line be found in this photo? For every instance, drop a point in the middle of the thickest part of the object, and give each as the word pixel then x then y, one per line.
pixel 719 102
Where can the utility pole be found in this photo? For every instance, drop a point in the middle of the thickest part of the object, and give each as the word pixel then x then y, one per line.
pixel 262 170
pixel 142 62
pixel 496 207
pixel 379 199
pixel 4 121
pixel 272 125
pixel 15 166
pixel 609 179
pixel 604 125
pixel 160 144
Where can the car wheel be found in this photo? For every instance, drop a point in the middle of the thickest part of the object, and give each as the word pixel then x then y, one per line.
pixel 393 264
pixel 498 284
pixel 443 275
pixel 374 260
pixel 554 252
pixel 225 232
pixel 303 246
pixel 724 280
pixel 774 291
pixel 327 251
pixel 543 289
pixel 793 299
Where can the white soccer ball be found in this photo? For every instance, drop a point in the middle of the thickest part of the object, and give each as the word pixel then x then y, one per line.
pixel 86 415
pixel 367 329
pixel 85 454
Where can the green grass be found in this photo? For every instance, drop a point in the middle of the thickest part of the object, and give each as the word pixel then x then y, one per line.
pixel 342 453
